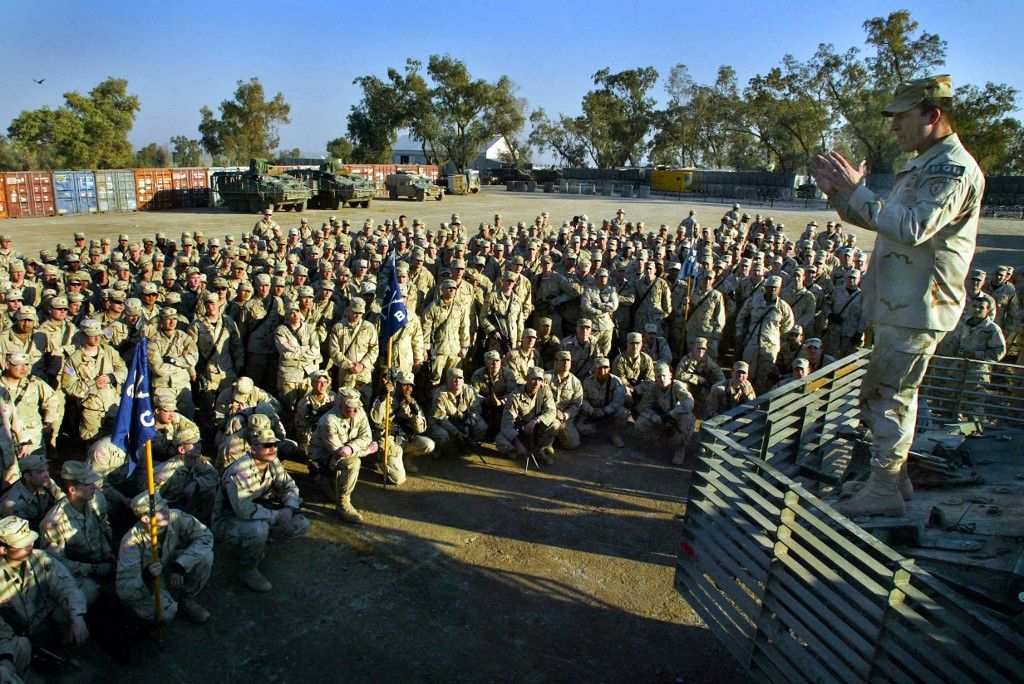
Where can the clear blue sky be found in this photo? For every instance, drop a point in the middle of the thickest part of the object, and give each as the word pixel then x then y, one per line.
pixel 186 53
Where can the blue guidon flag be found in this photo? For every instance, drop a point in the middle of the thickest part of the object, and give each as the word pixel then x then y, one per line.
pixel 135 424
pixel 393 314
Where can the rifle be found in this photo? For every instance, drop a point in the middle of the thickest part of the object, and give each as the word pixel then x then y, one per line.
pixel 44 658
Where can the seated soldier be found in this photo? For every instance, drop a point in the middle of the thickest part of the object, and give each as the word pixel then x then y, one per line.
pixel 116 485
pixel 341 438
pixel 312 407
pixel 257 499
pixel 801 369
pixel 568 392
pixel 186 558
pixel 731 393
pixel 243 393
pixel 528 421
pixel 604 403
pixel 547 343
pixel 633 367
pixel 494 383
pixel 666 410
pixel 408 423
pixel 168 423
pixel 248 420
pixel 656 346
pixel 76 530
pixel 813 352
pixel 699 372
pixel 524 357
pixel 33 494
pixel 188 481
pixel 39 598
pixel 456 422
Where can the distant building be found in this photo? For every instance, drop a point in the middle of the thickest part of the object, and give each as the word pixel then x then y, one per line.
pixel 410 151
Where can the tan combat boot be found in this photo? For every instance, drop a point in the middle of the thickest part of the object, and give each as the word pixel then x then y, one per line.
pixel 348 512
pixel 906 487
pixel 252 578
pixel 193 611
pixel 880 495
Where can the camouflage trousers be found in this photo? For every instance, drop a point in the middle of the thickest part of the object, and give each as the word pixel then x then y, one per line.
pixel 603 341
pixel 763 374
pixel 250 536
pixel 448 437
pixel 195 580
pixel 542 436
pixel 888 390
pixel 678 430
pixel 617 421
pixel 567 434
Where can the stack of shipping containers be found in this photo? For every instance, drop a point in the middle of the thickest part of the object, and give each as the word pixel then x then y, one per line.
pixel 154 189
pixel 191 187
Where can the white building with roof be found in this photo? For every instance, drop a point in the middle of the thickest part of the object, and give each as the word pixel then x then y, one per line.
pixel 408 150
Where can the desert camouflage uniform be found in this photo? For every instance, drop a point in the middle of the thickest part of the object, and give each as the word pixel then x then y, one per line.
pixel 457 415
pixel 568 394
pixel 602 400
pixel 240 517
pixel 186 547
pixel 19 500
pixel 600 305
pixel 332 433
pixel 98 406
pixel 172 363
pixel 79 540
pixel 445 335
pixel 299 351
pixel 666 409
pixel 348 345
pixel 521 408
pixel 42 593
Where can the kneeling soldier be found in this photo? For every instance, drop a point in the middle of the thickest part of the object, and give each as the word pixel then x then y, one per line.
pixel 528 423
pixel 341 438
pixel 666 410
pixel 186 558
pixel 258 498
pixel 76 531
pixel 456 420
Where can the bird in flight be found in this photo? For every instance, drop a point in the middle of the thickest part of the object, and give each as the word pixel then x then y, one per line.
pixel 38 81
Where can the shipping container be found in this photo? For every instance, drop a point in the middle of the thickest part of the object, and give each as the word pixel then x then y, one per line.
pixel 154 189
pixel 74 192
pixel 29 194
pixel 191 187
pixel 378 172
pixel 115 190
pixel 3 198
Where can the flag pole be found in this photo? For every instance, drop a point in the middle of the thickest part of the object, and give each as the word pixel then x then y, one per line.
pixel 154 551
pixel 387 412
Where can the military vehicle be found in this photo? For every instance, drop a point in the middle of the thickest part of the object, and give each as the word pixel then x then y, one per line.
pixel 463 183
pixel 414 185
pixel 333 188
pixel 255 189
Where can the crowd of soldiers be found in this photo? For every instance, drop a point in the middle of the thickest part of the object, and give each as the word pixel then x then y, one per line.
pixel 531 337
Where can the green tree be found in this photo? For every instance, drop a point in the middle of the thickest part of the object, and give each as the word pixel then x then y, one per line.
pixel 12 158
pixel 186 151
pixel 340 149
pixel 616 118
pixel 507 118
pixel 982 119
pixel 374 122
pixel 283 156
pixel 448 111
pixel 558 137
pixel 247 126
pixel 152 156
pixel 88 131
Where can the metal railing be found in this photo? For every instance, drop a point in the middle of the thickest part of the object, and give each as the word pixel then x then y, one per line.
pixel 797 591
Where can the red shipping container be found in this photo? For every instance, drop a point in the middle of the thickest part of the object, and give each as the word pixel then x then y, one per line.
pixel 191 187
pixel 154 189
pixel 29 193
pixel 3 198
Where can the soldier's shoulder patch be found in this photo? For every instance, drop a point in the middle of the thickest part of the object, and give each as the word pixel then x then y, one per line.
pixel 951 170
pixel 68 370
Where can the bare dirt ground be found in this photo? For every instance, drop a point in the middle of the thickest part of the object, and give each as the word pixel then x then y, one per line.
pixel 469 571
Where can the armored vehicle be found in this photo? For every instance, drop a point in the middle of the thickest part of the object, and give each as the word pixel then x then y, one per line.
pixel 256 189
pixel 463 183
pixel 414 185
pixel 333 188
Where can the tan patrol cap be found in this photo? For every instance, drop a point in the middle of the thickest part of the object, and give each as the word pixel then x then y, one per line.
pixel 78 472
pixel 909 94
pixel 140 503
pixel 741 366
pixel 15 532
